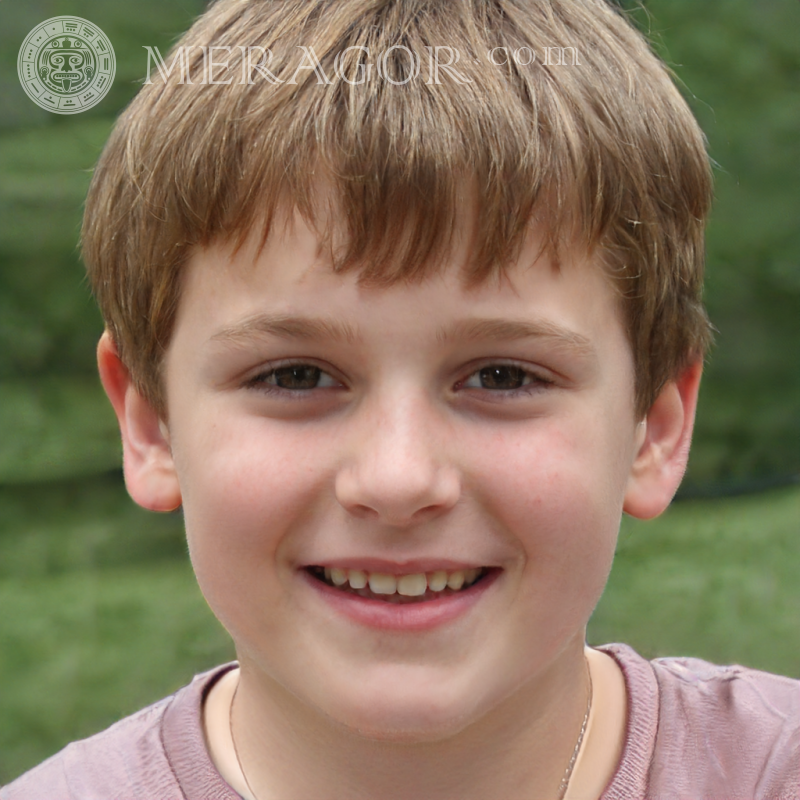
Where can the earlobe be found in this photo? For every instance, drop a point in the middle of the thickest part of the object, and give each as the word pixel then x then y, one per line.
pixel 663 451
pixel 150 473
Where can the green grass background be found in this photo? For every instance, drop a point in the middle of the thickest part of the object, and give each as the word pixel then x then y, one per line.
pixel 99 612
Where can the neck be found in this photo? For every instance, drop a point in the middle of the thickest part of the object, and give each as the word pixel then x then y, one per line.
pixel 519 749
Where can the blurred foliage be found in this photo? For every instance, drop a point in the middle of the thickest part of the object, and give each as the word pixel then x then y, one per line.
pixel 78 525
pixel 75 409
pixel 738 66
pixel 54 419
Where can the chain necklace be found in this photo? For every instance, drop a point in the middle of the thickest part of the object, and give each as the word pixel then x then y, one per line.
pixel 233 739
pixel 563 786
pixel 562 789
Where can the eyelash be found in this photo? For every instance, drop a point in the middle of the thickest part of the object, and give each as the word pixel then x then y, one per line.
pixel 537 382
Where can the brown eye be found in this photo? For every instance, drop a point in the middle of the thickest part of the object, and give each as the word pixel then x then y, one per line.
pixel 293 378
pixel 296 376
pixel 507 378
pixel 502 376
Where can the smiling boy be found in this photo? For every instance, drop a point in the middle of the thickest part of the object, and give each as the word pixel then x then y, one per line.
pixel 404 352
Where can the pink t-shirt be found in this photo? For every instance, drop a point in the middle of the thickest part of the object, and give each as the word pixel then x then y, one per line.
pixel 695 731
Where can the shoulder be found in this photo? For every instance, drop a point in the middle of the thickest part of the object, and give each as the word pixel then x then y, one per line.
pixel 730 721
pixel 132 759
pixel 712 731
pixel 102 765
pixel 767 701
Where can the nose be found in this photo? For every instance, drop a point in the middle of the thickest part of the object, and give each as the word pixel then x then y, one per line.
pixel 398 473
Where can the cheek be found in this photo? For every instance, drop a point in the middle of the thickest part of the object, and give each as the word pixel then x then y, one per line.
pixel 254 473
pixel 557 490
pixel 246 490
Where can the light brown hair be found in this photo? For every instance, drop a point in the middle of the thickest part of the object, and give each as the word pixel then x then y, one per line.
pixel 603 147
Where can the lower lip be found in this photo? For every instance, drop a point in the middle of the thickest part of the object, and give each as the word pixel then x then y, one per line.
pixel 420 616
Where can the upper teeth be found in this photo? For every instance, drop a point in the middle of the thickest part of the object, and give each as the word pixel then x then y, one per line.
pixel 412 585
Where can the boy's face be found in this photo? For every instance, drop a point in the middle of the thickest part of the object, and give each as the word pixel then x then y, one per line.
pixel 424 428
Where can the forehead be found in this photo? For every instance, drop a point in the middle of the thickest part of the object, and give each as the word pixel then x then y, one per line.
pixel 287 286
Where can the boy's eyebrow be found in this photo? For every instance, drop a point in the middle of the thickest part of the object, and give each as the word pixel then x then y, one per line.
pixel 511 329
pixel 287 326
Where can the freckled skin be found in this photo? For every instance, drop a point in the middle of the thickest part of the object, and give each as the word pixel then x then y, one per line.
pixel 389 460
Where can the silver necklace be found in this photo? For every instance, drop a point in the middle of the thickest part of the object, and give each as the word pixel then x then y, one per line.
pixel 562 789
pixel 563 786
pixel 233 739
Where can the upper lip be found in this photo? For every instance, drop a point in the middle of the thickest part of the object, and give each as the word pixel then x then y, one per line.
pixel 409 567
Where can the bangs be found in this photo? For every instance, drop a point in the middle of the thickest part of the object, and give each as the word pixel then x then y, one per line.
pixel 386 124
pixel 406 152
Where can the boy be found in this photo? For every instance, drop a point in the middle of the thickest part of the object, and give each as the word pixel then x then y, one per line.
pixel 404 324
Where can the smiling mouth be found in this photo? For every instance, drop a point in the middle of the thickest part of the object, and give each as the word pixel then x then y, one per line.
pixel 399 589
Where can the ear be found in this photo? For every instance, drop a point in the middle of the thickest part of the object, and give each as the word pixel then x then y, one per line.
pixel 147 458
pixel 665 438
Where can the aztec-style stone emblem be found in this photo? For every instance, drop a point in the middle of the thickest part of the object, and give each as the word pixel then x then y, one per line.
pixel 66 65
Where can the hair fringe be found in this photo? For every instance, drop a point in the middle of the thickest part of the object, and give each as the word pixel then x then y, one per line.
pixel 605 153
